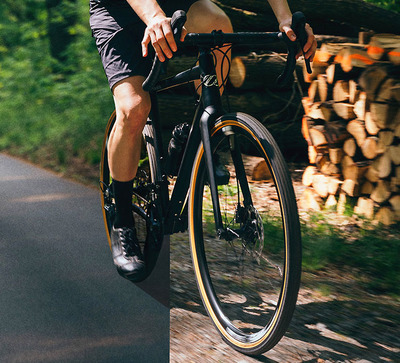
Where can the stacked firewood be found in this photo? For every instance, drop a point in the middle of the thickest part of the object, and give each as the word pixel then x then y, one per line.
pixel 352 126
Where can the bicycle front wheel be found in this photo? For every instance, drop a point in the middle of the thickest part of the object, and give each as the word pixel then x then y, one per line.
pixel 249 276
pixel 145 206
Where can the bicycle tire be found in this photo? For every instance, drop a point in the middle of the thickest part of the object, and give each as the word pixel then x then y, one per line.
pixel 145 208
pixel 250 309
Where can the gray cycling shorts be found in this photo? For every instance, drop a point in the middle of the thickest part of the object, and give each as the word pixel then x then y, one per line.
pixel 118 32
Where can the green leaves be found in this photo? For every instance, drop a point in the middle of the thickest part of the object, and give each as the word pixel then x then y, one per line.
pixel 387 4
pixel 53 109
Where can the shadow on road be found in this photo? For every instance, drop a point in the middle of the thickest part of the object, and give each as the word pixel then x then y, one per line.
pixel 344 323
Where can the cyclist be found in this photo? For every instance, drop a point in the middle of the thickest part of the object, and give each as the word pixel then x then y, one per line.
pixel 123 30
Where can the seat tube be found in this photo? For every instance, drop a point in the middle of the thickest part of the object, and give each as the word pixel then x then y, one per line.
pixel 211 100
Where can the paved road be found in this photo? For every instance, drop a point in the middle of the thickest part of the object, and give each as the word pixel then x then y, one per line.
pixel 61 299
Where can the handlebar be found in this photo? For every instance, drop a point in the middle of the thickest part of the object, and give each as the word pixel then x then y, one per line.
pixel 217 38
pixel 178 20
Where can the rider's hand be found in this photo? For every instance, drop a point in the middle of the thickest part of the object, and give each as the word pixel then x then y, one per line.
pixel 310 47
pixel 159 33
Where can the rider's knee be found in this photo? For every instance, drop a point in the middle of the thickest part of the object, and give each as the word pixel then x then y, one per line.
pixel 205 16
pixel 133 112
pixel 223 21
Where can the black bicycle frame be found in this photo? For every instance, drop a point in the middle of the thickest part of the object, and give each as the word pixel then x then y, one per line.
pixel 208 110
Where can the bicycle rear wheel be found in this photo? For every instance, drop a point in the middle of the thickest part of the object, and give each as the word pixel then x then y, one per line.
pixel 145 206
pixel 249 277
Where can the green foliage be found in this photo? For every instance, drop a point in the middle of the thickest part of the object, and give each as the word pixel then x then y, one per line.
pixel 21 22
pixel 393 5
pixel 373 251
pixel 62 16
pixel 51 111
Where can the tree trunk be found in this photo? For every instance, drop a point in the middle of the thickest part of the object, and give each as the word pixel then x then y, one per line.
pixel 324 88
pixel 256 71
pixel 365 207
pixel 308 175
pixel 385 216
pixel 381 193
pixel 356 128
pixel 394 56
pixel 370 124
pixel 381 44
pixel 320 13
pixel 61 16
pixel 369 147
pixel 352 58
pixel 310 200
pixel 351 187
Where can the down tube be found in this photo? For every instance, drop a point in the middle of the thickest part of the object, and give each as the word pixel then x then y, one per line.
pixel 182 183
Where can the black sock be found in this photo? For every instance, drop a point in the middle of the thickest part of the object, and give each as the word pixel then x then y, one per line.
pixel 123 202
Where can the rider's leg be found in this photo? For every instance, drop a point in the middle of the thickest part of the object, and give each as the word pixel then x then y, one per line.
pixel 132 107
pixel 203 17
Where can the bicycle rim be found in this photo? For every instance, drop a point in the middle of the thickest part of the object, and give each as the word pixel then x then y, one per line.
pixel 249 281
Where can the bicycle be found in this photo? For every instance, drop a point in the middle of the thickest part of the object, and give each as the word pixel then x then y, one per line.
pixel 246 255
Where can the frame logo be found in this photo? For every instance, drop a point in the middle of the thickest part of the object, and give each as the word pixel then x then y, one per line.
pixel 210 80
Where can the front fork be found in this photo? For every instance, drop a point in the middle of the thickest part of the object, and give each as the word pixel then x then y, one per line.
pixel 212 106
pixel 208 118
pixel 240 172
pixel 212 110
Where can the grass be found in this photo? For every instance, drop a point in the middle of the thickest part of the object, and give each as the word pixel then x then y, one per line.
pixel 371 253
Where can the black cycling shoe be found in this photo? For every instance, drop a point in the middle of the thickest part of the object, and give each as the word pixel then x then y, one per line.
pixel 126 253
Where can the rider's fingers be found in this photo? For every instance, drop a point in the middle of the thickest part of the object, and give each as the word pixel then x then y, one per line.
pixel 289 32
pixel 145 42
pixel 311 52
pixel 311 46
pixel 183 34
pixel 169 36
pixel 157 47
pixel 310 38
pixel 160 44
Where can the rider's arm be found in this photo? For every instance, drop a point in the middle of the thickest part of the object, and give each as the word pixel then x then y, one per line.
pixel 284 17
pixel 158 28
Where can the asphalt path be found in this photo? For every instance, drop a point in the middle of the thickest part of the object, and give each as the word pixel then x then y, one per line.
pixel 61 299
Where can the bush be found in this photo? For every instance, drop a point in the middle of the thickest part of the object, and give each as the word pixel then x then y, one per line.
pixel 393 5
pixel 51 111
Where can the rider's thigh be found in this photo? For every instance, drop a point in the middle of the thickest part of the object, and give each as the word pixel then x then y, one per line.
pixel 132 103
pixel 204 16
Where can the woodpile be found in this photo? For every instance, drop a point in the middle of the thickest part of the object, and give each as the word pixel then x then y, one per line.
pixel 352 127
